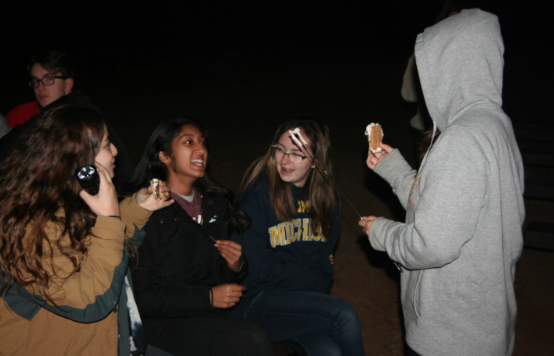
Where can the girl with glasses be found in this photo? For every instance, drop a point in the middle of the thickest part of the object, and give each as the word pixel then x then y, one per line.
pixel 189 270
pixel 295 226
pixel 63 252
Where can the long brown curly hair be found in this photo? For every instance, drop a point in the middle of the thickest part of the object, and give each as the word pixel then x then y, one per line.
pixel 39 188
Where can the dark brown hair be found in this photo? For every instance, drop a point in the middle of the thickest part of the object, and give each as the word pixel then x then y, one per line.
pixel 40 194
pixel 52 61
pixel 427 142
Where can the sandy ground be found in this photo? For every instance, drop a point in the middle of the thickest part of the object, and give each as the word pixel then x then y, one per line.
pixel 243 100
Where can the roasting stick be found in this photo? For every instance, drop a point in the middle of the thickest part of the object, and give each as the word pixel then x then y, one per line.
pixel 300 142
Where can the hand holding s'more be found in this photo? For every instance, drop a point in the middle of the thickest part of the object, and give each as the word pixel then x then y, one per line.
pixel 378 149
pixel 154 197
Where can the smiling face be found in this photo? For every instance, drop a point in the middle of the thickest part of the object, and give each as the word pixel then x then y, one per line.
pixel 295 173
pixel 106 154
pixel 187 161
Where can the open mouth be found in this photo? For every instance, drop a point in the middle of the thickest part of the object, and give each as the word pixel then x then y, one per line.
pixel 197 162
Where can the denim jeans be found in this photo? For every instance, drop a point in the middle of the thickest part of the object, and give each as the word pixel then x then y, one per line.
pixel 312 324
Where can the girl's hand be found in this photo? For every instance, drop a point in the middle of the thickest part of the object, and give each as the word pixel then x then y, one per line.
pixel 366 223
pixel 374 158
pixel 227 295
pixel 105 202
pixel 231 252
pixel 145 199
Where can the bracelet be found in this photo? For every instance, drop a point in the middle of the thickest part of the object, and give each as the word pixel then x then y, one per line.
pixel 115 216
pixel 212 297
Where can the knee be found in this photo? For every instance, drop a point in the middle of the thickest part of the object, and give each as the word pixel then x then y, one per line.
pixel 346 315
pixel 314 344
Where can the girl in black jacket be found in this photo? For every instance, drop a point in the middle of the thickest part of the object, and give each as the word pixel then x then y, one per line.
pixel 189 271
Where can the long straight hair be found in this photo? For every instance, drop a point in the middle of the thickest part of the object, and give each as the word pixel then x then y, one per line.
pixel 150 167
pixel 319 185
pixel 37 183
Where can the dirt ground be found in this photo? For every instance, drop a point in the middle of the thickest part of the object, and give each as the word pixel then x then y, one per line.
pixel 242 98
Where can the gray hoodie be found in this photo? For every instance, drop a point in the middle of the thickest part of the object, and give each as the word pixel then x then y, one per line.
pixel 464 208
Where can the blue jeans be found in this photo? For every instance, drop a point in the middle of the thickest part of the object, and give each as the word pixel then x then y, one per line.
pixel 311 323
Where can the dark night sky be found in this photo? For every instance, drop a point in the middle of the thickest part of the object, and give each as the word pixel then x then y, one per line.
pixel 263 25
pixel 100 35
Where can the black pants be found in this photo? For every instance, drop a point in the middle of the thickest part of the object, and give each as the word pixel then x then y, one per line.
pixel 208 336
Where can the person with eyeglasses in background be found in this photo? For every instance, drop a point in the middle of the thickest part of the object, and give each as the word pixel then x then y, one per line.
pixel 52 80
pixel 289 195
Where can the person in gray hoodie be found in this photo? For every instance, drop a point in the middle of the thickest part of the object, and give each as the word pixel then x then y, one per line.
pixel 464 207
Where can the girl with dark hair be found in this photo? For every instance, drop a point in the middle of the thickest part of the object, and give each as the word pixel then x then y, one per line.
pixel 63 251
pixel 189 270
pixel 290 197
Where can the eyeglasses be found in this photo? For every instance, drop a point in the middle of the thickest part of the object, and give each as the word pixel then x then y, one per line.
pixel 46 81
pixel 294 157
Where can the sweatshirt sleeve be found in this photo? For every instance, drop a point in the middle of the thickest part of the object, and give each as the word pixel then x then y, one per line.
pixel 451 193
pixel 398 173
pixel 133 215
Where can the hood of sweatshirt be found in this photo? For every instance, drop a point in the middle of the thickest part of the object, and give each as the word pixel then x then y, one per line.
pixel 460 64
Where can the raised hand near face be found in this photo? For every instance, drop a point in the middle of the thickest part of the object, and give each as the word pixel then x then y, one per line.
pixel 105 202
pixel 146 199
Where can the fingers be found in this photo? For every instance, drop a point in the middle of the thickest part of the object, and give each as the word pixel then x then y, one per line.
pixel 371 161
pixel 165 191
pixel 231 252
pixel 227 295
pixel 386 147
pixel 146 199
pixel 228 245
pixel 366 223
pixel 374 158
pixel 103 172
pixel 105 202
